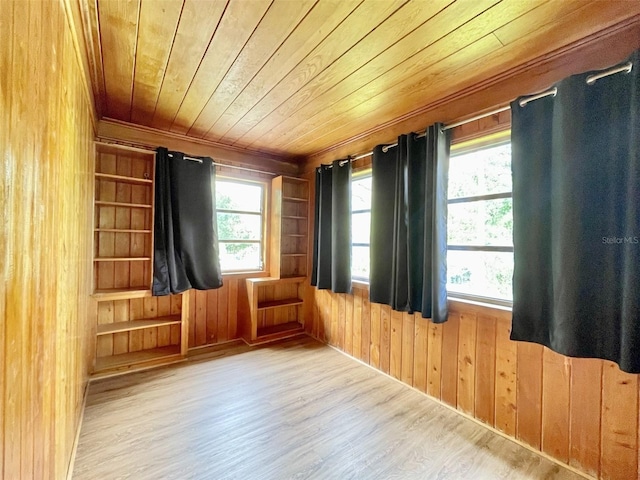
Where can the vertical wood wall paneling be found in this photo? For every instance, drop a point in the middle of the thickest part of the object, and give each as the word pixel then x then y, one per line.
pixel 555 404
pixel 46 191
pixel 395 344
pixel 420 352
pixel 449 369
pixel 408 348
pixel 466 363
pixel 485 375
pixel 529 394
pixel 582 411
pixel 506 373
pixel 586 398
pixel 619 431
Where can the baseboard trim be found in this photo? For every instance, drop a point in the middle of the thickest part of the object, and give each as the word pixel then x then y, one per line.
pixel 76 440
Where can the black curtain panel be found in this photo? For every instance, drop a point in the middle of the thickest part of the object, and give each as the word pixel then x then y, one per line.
pixel 332 236
pixel 185 233
pixel 409 224
pixel 576 219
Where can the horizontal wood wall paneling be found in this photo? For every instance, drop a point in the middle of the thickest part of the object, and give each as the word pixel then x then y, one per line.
pixel 46 136
pixel 134 134
pixel 233 35
pixel 597 51
pixel 367 16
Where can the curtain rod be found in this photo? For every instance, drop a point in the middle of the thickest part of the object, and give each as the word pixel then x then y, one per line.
pixel 199 160
pixel 591 79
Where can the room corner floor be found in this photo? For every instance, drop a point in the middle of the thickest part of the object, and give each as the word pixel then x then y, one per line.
pixel 297 409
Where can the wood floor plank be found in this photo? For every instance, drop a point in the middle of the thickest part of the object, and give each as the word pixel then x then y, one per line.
pixel 250 414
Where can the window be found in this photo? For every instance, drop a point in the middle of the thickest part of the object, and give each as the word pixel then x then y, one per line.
pixel 240 213
pixel 360 225
pixel 480 223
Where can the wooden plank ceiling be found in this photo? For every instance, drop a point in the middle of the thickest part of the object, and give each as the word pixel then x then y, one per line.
pixel 294 77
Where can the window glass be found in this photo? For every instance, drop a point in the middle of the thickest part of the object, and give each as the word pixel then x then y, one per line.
pixel 232 195
pixel 239 211
pixel 485 222
pixel 480 172
pixel 485 274
pixel 360 226
pixel 480 223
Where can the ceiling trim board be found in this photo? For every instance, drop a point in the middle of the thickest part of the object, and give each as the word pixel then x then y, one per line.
pixel 116 130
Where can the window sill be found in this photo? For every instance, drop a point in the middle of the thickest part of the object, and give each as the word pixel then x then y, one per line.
pixel 464 305
pixel 245 274
pixel 457 304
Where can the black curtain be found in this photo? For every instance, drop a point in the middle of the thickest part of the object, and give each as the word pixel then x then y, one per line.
pixel 185 233
pixel 576 225
pixel 409 224
pixel 332 236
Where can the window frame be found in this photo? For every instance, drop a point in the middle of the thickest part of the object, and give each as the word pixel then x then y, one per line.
pixel 359 175
pixel 264 224
pixel 481 143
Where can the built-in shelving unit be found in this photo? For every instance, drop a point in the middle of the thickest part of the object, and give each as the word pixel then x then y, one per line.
pixel 275 308
pixel 134 329
pixel 274 305
pixel 289 226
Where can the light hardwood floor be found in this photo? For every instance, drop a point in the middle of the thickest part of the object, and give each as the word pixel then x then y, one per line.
pixel 295 410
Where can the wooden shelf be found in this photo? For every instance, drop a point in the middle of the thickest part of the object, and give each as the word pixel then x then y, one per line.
pixel 120 230
pixel 121 293
pixel 117 327
pixel 301 235
pixel 123 179
pixel 293 254
pixel 295 217
pixel 132 358
pixel 275 280
pixel 294 199
pixel 284 302
pixel 120 259
pixel 121 204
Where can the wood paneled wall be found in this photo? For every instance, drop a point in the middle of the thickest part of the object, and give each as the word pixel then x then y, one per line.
pixel 46 190
pixel 213 314
pixel 583 412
